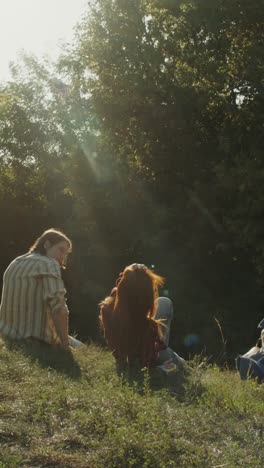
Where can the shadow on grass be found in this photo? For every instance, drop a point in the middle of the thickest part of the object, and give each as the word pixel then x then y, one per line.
pixel 179 383
pixel 46 356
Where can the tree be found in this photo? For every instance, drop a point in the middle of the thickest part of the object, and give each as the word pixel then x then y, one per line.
pixel 176 89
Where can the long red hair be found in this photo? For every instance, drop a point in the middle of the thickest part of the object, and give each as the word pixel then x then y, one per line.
pixel 133 310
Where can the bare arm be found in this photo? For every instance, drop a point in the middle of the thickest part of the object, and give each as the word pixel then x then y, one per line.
pixel 61 323
pixel 54 297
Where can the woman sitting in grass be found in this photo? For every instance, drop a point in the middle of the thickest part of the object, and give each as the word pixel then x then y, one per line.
pixel 136 322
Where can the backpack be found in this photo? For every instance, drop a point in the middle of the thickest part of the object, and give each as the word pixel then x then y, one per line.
pixel 251 364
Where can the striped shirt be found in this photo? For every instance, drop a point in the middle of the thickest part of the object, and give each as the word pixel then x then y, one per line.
pixel 33 291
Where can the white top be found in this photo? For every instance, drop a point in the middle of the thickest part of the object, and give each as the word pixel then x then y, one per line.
pixel 33 291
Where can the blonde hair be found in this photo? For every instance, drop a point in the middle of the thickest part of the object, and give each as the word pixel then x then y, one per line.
pixel 53 236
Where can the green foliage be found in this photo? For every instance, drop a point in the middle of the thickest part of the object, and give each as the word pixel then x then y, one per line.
pixel 175 87
pixel 176 91
pixel 144 142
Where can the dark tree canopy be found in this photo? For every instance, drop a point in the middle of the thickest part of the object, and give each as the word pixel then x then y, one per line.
pixel 144 142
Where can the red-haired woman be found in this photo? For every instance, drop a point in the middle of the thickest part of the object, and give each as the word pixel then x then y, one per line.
pixel 136 322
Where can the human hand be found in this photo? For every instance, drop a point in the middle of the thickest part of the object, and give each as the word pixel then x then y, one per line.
pixel 169 364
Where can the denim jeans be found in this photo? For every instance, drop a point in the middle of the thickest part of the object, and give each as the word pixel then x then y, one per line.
pixel 165 313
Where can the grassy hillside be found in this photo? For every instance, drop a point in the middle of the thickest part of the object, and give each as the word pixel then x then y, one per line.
pixel 75 411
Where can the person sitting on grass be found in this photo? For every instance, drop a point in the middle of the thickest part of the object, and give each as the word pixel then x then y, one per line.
pixel 136 323
pixel 33 297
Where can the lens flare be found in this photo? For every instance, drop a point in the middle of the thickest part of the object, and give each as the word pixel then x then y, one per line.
pixel 191 340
